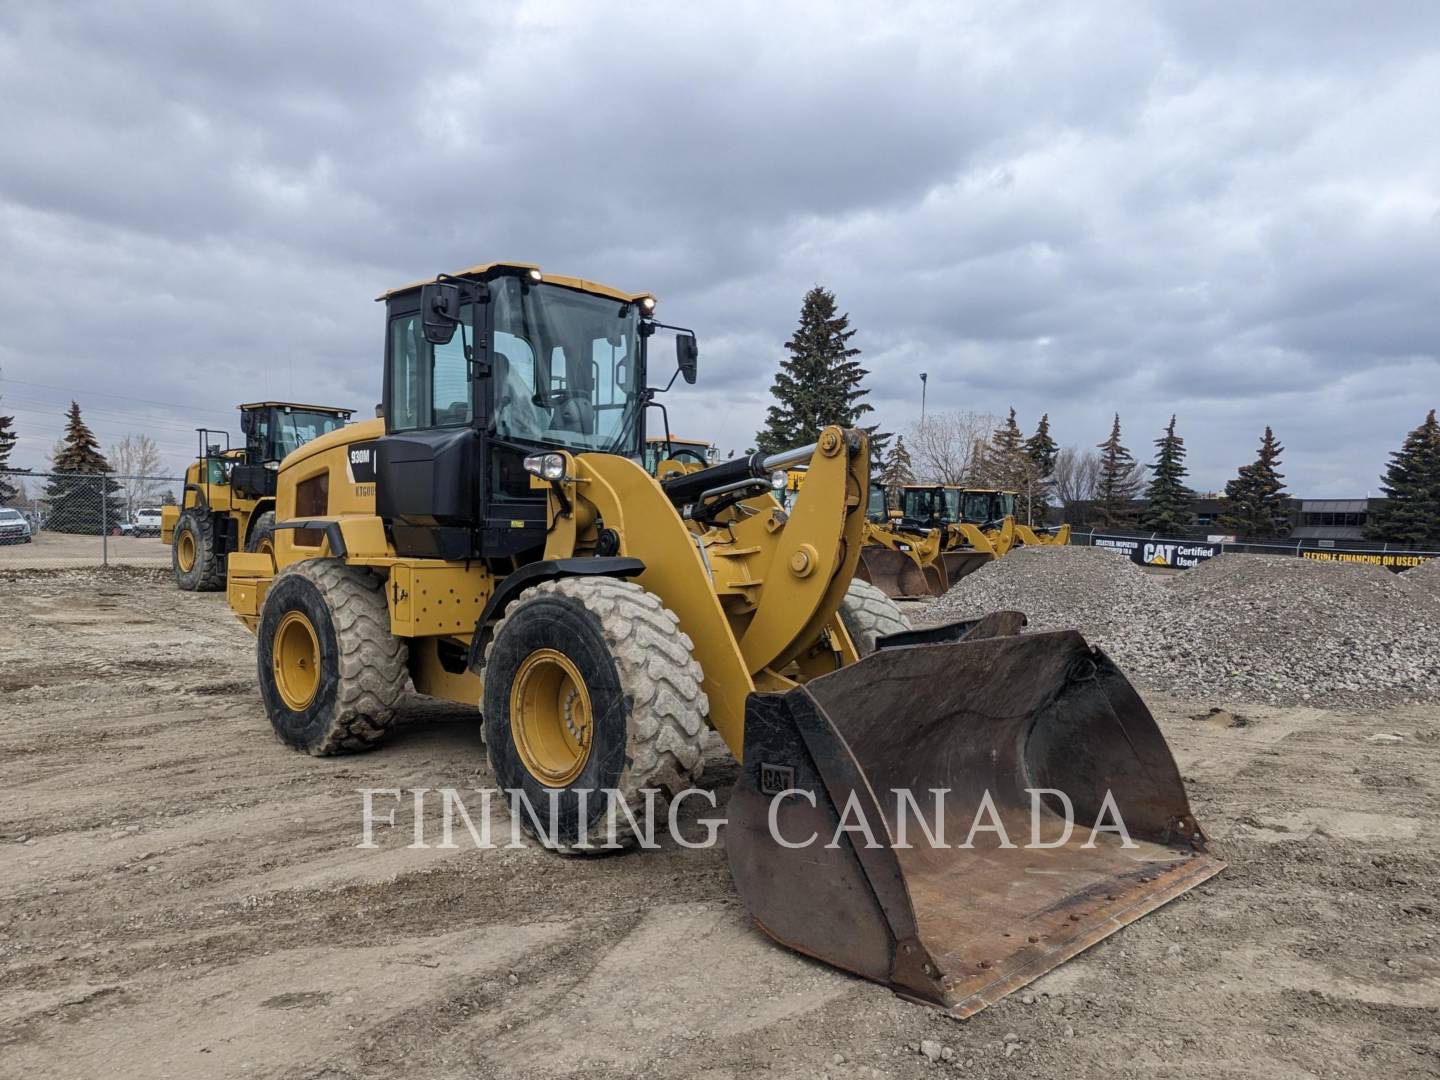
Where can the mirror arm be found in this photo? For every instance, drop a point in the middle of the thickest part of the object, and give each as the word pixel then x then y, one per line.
pixel 652 403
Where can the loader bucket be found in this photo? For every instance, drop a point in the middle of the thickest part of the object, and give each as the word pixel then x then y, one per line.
pixel 896 574
pixel 959 926
pixel 958 564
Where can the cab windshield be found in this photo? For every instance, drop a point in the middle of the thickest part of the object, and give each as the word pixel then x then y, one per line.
pixel 932 505
pixel 567 368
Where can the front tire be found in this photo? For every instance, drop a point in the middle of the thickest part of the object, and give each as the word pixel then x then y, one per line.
pixel 868 615
pixel 331 673
pixel 194 559
pixel 590 686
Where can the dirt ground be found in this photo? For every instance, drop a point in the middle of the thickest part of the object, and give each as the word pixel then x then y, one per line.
pixel 54 550
pixel 181 895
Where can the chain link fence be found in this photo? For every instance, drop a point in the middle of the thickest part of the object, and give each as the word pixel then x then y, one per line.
pixel 83 519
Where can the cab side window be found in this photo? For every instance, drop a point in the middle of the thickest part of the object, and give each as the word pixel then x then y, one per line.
pixel 429 385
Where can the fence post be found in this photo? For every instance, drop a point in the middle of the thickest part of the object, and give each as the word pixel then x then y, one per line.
pixel 104 524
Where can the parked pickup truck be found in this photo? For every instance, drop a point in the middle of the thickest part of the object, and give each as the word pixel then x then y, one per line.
pixel 146 523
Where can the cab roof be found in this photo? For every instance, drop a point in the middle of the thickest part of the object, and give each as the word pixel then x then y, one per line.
pixel 296 405
pixel 480 269
pixel 955 487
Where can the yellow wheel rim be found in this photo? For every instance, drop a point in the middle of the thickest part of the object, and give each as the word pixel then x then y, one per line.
pixel 296 660
pixel 185 551
pixel 551 722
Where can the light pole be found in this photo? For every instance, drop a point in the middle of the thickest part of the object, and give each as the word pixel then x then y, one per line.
pixel 923 378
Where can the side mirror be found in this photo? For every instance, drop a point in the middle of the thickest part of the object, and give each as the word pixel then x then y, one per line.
pixel 687 356
pixel 439 311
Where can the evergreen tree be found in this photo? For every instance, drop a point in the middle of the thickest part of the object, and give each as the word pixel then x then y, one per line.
pixel 819 383
pixel 897 469
pixel 1255 501
pixel 8 491
pixel 1167 508
pixel 1411 513
pixel 1007 465
pixel 977 470
pixel 1119 481
pixel 79 503
pixel 1042 451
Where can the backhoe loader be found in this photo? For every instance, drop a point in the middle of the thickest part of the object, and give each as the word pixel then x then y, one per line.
pixel 229 500
pixel 494 539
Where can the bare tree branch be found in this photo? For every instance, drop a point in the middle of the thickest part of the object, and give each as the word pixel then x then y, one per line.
pixel 946 446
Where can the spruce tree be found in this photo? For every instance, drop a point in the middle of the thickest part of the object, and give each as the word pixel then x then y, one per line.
pixel 897 469
pixel 1119 481
pixel 1167 507
pixel 80 503
pixel 1009 467
pixel 819 383
pixel 1411 513
pixel 1042 451
pixel 8 491
pixel 1255 501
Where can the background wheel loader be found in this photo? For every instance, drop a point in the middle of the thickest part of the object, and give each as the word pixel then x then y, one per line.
pixel 229 501
pixel 665 454
pixel 938 534
pixel 495 539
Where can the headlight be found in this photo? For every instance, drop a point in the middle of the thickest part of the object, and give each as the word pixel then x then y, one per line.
pixel 647 304
pixel 777 480
pixel 534 275
pixel 546 466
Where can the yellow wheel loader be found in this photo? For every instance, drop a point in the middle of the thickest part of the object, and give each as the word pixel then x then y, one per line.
pixel 994 511
pixel 940 533
pixel 494 539
pixel 229 501
pixel 924 545
pixel 669 454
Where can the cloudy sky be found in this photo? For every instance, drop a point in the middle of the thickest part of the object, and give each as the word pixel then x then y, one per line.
pixel 1230 212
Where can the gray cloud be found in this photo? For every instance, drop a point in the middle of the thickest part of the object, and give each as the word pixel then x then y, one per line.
pixel 1231 213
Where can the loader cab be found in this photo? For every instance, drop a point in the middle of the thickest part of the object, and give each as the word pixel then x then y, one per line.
pixel 930 507
pixel 273 429
pixel 984 507
pixel 877 509
pixel 484 369
pixel 659 448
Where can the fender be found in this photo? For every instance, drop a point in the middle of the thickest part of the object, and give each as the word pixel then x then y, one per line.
pixel 512 585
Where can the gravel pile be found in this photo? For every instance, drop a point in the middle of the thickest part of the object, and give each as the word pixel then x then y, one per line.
pixel 1424 579
pixel 1244 627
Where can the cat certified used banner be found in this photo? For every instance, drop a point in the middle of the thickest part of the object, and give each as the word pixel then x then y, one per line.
pixel 1176 554
pixel 1184 554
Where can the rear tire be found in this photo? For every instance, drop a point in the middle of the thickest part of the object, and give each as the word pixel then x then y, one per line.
pixel 868 614
pixel 591 685
pixel 262 533
pixel 331 673
pixel 194 559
